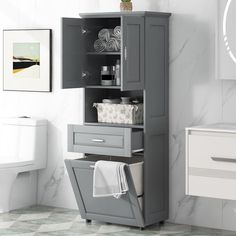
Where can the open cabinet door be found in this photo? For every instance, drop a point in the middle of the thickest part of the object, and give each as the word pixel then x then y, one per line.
pixel 73 58
pixel 132 53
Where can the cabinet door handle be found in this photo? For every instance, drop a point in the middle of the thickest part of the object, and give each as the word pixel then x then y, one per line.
pixel 221 159
pixel 125 53
pixel 98 140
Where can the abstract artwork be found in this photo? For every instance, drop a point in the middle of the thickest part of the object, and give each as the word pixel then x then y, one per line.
pixel 226 40
pixel 27 60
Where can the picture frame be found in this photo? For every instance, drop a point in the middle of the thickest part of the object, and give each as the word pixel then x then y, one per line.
pixel 27 60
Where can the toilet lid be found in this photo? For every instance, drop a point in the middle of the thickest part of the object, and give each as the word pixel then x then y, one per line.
pixel 15 164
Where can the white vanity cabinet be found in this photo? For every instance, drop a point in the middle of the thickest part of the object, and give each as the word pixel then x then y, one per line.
pixel 211 161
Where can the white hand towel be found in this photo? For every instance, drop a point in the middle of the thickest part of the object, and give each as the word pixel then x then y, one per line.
pixel 109 179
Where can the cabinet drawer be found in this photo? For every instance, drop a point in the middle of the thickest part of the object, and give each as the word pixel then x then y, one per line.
pixel 212 152
pixel 104 140
pixel 211 165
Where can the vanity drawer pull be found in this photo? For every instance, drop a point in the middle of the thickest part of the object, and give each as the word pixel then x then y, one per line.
pixel 92 166
pixel 98 140
pixel 221 159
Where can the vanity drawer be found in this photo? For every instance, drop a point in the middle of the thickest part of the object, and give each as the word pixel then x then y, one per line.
pixel 212 151
pixel 211 165
pixel 104 140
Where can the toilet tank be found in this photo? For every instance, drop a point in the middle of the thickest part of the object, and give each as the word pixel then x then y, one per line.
pixel 24 139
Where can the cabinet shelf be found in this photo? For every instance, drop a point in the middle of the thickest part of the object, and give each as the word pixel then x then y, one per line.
pixel 103 87
pixel 104 53
pixel 139 126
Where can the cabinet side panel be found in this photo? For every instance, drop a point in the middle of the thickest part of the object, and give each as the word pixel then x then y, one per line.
pixel 156 170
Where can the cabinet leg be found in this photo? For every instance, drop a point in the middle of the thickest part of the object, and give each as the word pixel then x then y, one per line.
pixel 88 221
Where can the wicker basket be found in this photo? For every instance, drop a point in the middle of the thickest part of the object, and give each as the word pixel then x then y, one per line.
pixel 119 113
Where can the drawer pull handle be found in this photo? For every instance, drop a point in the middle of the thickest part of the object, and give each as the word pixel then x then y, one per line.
pixel 98 140
pixel 92 166
pixel 221 159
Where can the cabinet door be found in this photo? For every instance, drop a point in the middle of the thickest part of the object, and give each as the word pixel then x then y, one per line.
pixel 73 53
pixel 133 53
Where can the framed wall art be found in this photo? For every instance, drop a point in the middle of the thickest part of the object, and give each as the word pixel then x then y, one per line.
pixel 27 60
pixel 226 40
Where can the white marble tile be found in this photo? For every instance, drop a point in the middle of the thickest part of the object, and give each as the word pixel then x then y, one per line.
pixel 54 227
pixel 105 229
pixel 28 217
pixel 228 101
pixel 24 234
pixel 229 215
pixel 195 98
pixel 6 224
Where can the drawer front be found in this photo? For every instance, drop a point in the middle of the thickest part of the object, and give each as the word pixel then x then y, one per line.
pixel 103 140
pixel 99 140
pixel 212 187
pixel 212 152
pixel 211 166
pixel 103 206
pixel 126 209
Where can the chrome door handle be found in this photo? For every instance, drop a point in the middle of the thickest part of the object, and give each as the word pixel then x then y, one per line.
pixel 221 159
pixel 125 53
pixel 98 140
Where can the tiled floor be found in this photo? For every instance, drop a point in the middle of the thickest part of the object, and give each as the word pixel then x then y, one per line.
pixel 48 221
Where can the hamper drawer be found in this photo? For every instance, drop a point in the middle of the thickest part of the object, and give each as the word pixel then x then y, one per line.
pixel 128 208
pixel 104 140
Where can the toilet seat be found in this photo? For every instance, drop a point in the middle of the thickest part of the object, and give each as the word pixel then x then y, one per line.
pixel 16 164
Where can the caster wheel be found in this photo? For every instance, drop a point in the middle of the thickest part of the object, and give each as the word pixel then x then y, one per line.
pixel 88 221
pixel 162 222
pixel 141 228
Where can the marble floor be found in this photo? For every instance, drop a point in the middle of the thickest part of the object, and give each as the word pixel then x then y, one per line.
pixel 50 221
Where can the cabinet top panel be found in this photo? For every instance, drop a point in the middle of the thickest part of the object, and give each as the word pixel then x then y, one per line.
pixel 218 127
pixel 119 14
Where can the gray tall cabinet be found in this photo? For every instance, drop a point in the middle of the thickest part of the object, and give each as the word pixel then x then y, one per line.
pixel 144 59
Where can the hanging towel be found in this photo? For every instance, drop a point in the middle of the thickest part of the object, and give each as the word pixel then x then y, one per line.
pixel 109 179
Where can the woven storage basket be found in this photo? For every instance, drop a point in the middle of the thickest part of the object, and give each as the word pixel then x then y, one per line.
pixel 119 113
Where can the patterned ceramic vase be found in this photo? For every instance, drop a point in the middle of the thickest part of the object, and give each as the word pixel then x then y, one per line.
pixel 126 6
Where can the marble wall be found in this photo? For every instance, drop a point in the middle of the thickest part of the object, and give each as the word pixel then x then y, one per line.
pixel 195 96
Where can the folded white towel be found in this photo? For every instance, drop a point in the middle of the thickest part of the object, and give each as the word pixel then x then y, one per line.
pixel 109 179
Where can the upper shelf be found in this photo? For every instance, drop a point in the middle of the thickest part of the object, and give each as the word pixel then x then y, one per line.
pixel 103 53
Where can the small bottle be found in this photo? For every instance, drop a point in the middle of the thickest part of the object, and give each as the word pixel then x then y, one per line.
pixel 118 73
pixel 106 77
pixel 113 74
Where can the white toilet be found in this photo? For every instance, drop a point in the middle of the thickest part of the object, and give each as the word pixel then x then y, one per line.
pixel 23 151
